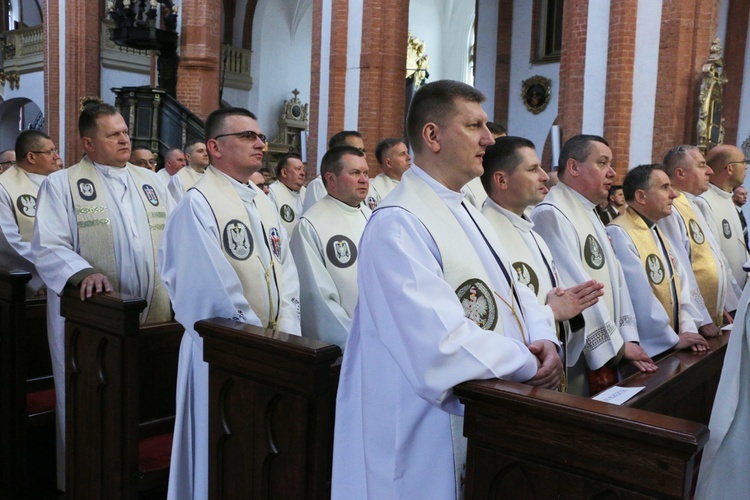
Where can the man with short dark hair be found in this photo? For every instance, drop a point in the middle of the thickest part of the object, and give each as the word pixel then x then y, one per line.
pixel 438 305
pixel 7 159
pixel 237 253
pixel 174 160
pixel 514 180
pixel 19 188
pixel 393 157
pixel 315 188
pixel 98 227
pixel 613 207
pixel 325 246
pixel 288 192
pixel 143 157
pixel 197 158
pixel 739 198
pixel 694 243
pixel 568 222
pixel 729 166
pixel 646 257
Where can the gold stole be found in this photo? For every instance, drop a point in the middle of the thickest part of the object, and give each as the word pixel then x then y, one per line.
pixel 95 236
pixel 188 177
pixel 701 257
pixel 657 271
pixel 23 195
pixel 240 245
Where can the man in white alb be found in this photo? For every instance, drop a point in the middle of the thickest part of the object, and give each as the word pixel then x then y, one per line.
pixel 19 188
pixel 174 160
pixel 197 161
pixel 729 167
pixel 98 227
pixel 393 157
pixel 7 159
pixel 438 305
pixel 238 267
pixel 568 222
pixel 315 188
pixel 325 247
pixel 515 180
pixel 288 191
pixel 669 317
pixel 711 282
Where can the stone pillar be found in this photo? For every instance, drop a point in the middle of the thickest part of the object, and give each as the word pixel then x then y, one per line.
pixel 200 53
pixel 618 105
pixel 382 73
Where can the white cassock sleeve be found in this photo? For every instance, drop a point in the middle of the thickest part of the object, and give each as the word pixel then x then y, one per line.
pixel 563 242
pixel 289 313
pixel 323 316
pixel 657 334
pixel 415 314
pixel 200 281
pixel 15 253
pixel 55 243
pixel 175 187
pixel 315 191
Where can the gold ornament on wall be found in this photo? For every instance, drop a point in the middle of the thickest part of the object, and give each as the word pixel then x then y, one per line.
pixel 535 93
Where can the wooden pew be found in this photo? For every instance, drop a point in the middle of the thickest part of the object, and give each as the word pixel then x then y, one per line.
pixel 272 399
pixel 271 416
pixel 541 444
pixel 120 397
pixel 27 391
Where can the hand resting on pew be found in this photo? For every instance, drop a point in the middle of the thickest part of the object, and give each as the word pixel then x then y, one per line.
pixel 94 283
pixel 549 371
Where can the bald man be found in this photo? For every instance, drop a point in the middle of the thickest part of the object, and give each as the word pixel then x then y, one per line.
pixel 729 166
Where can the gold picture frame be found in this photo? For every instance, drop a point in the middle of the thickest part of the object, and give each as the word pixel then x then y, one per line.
pixel 535 93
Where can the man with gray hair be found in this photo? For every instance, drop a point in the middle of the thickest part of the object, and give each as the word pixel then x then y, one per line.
pixel 174 160
pixel 7 159
pixel 393 157
pixel 693 242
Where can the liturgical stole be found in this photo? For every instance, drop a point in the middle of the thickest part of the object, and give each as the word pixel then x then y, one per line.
pixel 701 257
pixel 95 236
pixel 261 281
pixel 660 274
pixel 23 195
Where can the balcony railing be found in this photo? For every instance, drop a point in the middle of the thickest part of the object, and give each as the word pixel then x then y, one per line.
pixel 23 50
pixel 235 67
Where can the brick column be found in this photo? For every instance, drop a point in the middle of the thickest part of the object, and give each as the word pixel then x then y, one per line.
pixel 619 97
pixel 312 138
pixel 383 73
pixel 82 66
pixel 734 65
pixel 51 56
pixel 337 69
pixel 200 51
pixel 570 108
pixel 687 28
pixel 502 61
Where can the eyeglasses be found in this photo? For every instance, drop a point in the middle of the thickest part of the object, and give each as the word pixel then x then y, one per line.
pixel 7 163
pixel 746 161
pixel 246 135
pixel 50 152
pixel 142 162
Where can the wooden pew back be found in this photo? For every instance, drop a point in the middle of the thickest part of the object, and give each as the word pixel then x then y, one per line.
pixel 120 396
pixel 26 383
pixel 271 411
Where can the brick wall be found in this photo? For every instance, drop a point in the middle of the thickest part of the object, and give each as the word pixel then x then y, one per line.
pixel 570 108
pixel 502 61
pixel 52 72
pixel 382 76
pixel 82 66
pixel 312 139
pixel 200 49
pixel 734 65
pixel 618 104
pixel 687 27
pixel 337 65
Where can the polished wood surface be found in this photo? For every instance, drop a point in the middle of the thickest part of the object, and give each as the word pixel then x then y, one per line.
pixel 25 368
pixel 271 411
pixel 120 389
